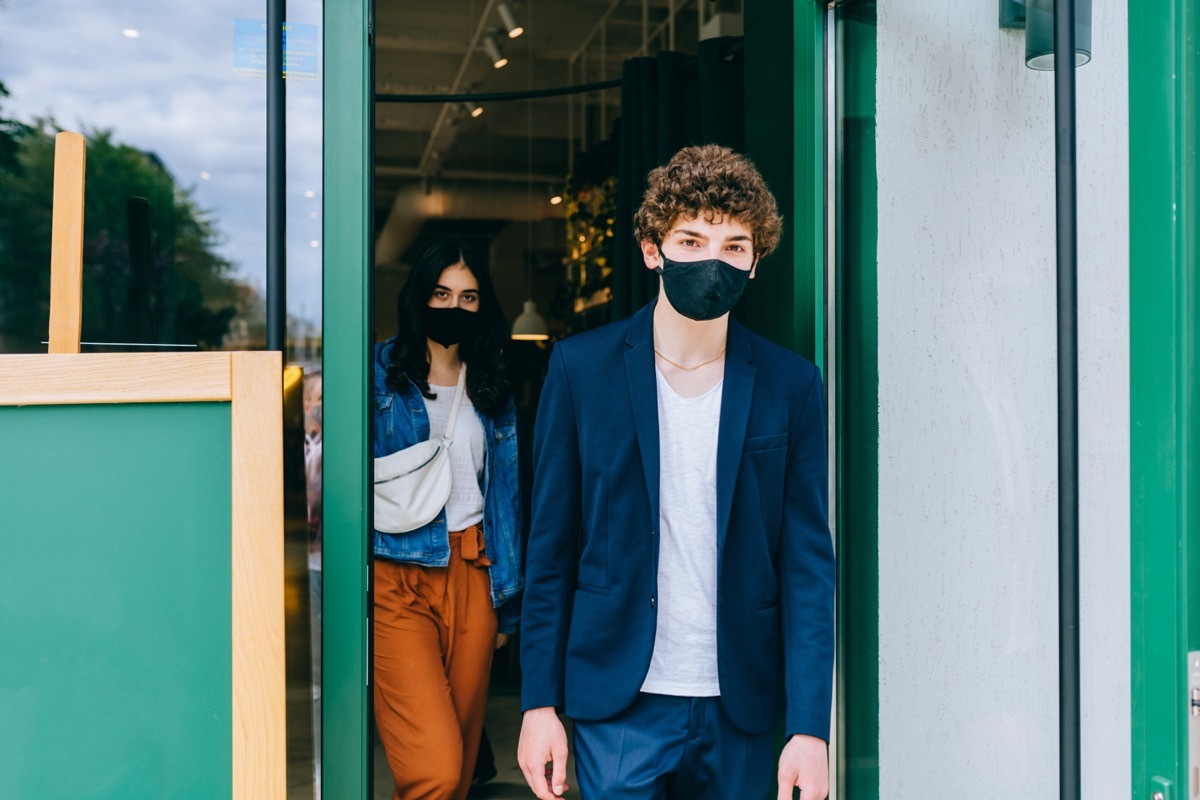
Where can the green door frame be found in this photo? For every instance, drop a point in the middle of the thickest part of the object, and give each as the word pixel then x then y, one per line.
pixel 786 303
pixel 346 740
pixel 1164 77
pixel 857 395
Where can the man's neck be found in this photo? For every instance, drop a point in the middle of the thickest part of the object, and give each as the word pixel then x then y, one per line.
pixel 687 341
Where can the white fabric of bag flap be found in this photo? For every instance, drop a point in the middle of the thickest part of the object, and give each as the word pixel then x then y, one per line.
pixel 413 484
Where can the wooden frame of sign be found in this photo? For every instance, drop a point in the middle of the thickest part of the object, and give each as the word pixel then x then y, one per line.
pixel 251 382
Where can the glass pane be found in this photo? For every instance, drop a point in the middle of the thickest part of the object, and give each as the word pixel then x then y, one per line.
pixel 172 115
pixel 171 98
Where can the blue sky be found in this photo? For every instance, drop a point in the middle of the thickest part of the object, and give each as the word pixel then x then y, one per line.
pixel 172 90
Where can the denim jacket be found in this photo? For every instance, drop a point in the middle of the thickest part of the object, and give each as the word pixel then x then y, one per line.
pixel 400 420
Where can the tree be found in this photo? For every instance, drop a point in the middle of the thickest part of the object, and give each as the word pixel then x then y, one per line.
pixel 195 293
pixel 10 129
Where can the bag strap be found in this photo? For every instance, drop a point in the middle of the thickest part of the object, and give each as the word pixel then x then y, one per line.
pixel 458 395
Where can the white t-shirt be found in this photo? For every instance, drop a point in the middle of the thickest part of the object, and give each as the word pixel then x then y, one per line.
pixel 465 506
pixel 684 662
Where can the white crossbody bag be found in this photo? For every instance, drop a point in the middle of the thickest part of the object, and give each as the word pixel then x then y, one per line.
pixel 413 484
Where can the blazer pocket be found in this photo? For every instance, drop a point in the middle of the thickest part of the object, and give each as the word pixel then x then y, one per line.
pixel 603 591
pixel 772 442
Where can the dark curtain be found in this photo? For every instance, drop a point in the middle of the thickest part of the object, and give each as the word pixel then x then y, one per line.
pixel 668 102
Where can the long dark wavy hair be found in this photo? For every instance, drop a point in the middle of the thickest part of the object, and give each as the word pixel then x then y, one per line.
pixel 486 383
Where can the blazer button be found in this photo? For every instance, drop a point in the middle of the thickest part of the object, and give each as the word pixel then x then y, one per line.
pixel 652 602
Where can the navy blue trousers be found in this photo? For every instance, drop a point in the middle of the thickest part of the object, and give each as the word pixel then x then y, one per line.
pixel 672 748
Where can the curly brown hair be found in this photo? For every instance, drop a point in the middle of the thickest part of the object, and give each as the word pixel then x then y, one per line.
pixel 711 180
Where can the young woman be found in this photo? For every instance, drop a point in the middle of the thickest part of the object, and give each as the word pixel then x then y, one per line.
pixel 444 592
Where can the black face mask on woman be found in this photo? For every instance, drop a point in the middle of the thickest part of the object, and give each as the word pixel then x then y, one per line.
pixel 702 290
pixel 449 326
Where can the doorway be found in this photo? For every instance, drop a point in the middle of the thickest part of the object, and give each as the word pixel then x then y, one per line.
pixel 497 173
pixel 465 145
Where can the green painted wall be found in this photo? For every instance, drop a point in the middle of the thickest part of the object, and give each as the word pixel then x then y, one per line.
pixel 115 678
pixel 857 439
pixel 1164 76
pixel 346 743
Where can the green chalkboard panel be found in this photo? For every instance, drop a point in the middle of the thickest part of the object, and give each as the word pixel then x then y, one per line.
pixel 115 674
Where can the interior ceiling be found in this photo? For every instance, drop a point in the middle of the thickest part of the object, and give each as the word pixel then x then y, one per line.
pixel 437 47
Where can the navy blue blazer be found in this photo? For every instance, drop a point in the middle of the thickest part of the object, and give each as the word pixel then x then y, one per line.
pixel 588 620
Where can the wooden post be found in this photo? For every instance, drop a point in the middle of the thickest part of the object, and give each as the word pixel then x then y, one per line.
pixel 66 244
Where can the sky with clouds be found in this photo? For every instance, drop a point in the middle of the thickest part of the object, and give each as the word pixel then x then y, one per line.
pixel 173 90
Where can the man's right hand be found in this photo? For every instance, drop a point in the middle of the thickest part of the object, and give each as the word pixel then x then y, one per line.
pixel 543 740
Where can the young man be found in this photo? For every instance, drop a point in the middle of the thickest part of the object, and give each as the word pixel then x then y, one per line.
pixel 693 609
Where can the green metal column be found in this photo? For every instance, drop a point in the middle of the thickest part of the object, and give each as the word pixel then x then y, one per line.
pixel 857 438
pixel 1164 51
pixel 808 215
pixel 347 291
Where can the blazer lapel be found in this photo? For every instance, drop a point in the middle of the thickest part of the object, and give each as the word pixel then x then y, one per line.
pixel 736 394
pixel 643 395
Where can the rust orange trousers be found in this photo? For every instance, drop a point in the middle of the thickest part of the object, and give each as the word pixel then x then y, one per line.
pixel 435 633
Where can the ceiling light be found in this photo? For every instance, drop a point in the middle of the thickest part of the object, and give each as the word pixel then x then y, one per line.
pixel 510 22
pixel 493 50
pixel 472 109
pixel 530 326
pixel 131 33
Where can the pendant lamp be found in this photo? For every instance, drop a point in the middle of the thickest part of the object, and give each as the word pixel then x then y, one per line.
pixel 530 326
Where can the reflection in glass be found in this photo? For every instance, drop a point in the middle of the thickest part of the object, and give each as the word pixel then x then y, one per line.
pixel 173 115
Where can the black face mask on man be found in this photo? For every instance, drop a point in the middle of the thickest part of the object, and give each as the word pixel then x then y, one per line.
pixel 449 326
pixel 702 290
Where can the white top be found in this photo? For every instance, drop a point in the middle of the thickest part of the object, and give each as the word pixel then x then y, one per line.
pixel 465 506
pixel 684 662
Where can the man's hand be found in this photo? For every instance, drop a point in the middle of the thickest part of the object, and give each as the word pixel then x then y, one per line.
pixel 501 640
pixel 543 739
pixel 804 763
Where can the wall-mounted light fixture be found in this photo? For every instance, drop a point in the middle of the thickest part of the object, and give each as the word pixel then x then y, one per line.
pixel 1039 33
pixel 509 21
pixel 1012 13
pixel 1037 18
pixel 493 50
pixel 555 193
pixel 472 109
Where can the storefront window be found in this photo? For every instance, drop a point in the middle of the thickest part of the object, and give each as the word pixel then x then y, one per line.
pixel 171 98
